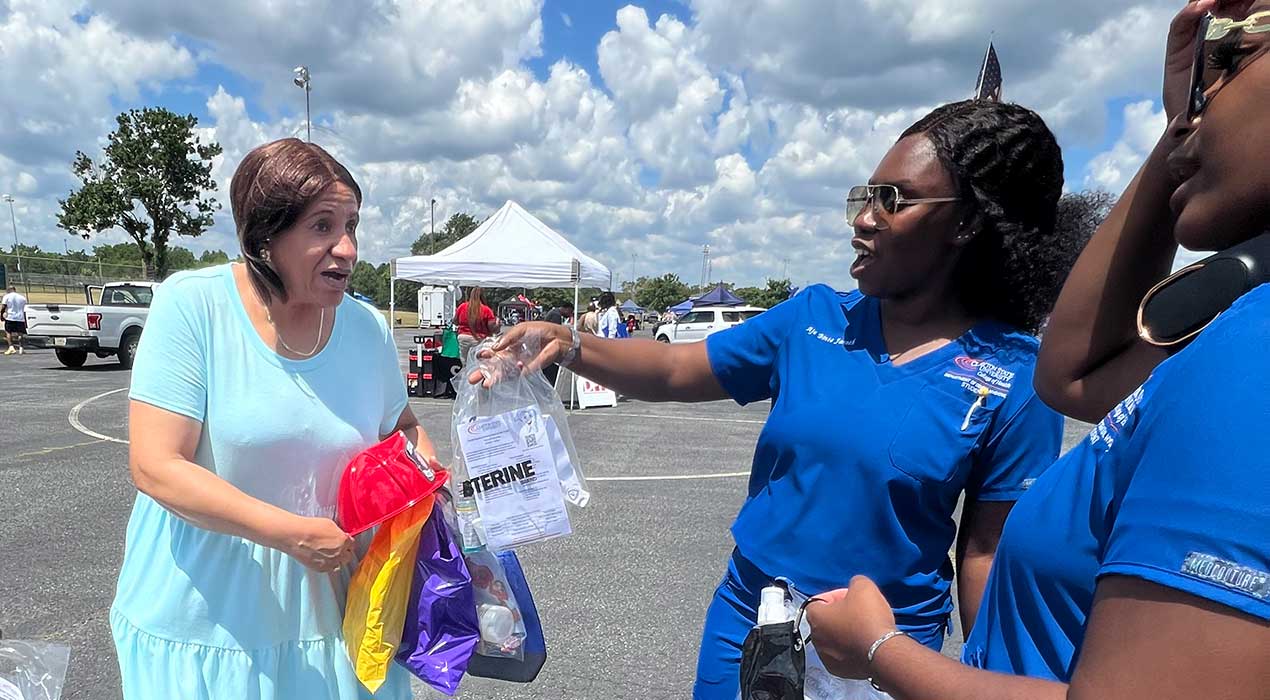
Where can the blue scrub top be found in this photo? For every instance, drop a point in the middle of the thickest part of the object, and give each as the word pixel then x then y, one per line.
pixel 1171 487
pixel 860 464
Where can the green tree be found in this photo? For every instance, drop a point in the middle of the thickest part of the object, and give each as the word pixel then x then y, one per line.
pixel 773 293
pixel 181 259
pixel 117 254
pixel 551 297
pixel 659 293
pixel 153 162
pixel 368 281
pixel 213 257
pixel 454 229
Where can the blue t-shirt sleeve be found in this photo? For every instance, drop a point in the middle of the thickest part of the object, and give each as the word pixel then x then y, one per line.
pixel 743 358
pixel 393 380
pixel 170 371
pixel 1016 454
pixel 1195 512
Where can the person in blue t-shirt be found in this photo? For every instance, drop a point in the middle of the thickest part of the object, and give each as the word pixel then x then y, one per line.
pixel 890 402
pixel 1138 566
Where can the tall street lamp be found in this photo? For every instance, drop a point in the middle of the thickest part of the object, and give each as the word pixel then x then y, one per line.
pixel 434 226
pixel 301 80
pixel 14 220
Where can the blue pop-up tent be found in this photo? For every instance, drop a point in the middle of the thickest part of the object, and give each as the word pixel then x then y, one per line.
pixel 719 296
pixel 681 308
pixel 630 306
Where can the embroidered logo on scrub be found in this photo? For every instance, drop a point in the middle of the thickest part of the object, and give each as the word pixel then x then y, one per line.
pixel 826 338
pixel 1227 574
pixel 1117 423
pixel 976 375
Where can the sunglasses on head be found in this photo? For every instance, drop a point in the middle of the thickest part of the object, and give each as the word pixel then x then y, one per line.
pixel 885 199
pixel 1223 47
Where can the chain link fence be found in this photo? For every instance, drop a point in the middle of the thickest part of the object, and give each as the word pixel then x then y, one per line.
pixel 50 279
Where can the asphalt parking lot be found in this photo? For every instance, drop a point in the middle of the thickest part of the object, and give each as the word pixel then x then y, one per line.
pixel 622 599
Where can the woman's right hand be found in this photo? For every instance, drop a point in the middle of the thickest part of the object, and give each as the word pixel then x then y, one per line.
pixel 528 346
pixel 319 544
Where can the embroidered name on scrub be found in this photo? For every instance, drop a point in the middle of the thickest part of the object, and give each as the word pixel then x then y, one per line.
pixel 500 477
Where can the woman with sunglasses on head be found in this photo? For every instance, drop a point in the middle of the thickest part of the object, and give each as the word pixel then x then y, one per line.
pixel 1138 566
pixel 888 402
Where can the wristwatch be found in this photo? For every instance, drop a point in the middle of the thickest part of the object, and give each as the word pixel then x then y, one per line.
pixel 574 346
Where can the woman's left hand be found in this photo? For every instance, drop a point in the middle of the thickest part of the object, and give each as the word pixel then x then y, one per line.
pixel 845 623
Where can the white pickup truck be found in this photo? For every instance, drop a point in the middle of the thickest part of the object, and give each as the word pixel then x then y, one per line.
pixel 111 327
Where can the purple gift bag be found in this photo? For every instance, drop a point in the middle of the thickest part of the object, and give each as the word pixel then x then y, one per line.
pixel 440 632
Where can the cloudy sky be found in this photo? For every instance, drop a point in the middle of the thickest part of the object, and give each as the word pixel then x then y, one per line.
pixel 641 132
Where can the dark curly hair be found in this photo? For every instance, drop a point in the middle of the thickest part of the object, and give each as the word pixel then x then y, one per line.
pixel 1007 166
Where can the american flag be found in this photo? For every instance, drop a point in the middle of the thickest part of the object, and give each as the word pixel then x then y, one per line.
pixel 989 85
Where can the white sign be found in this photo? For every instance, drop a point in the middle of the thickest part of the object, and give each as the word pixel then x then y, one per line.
pixel 591 394
pixel 512 475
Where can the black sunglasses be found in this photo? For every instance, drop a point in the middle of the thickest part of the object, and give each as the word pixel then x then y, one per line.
pixel 1221 45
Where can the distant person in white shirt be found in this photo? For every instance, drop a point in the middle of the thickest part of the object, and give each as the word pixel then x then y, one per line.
pixel 610 317
pixel 13 309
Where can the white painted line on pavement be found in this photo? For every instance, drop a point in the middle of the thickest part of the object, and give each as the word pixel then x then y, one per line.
pixel 76 424
pixel 672 477
pixel 74 417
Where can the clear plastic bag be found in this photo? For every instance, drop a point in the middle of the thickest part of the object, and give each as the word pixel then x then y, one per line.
pixel 32 670
pixel 498 615
pixel 819 683
pixel 505 439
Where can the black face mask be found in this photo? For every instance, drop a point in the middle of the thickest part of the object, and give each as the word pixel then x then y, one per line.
pixel 1182 305
pixel 774 661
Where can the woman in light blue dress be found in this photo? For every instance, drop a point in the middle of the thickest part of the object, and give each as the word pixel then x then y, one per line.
pixel 254 385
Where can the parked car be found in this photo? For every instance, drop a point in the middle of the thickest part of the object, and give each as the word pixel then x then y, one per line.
pixel 703 321
pixel 651 317
pixel 111 327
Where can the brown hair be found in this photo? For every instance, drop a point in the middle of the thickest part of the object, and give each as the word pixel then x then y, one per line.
pixel 474 303
pixel 270 190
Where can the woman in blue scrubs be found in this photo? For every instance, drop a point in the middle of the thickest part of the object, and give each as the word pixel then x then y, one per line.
pixel 888 402
pixel 1138 566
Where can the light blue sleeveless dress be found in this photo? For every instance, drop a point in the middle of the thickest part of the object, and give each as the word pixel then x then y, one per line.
pixel 199 615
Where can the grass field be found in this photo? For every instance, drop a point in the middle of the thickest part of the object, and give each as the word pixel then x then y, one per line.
pixel 38 296
pixel 405 319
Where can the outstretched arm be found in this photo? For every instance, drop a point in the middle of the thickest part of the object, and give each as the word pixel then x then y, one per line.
pixel 636 367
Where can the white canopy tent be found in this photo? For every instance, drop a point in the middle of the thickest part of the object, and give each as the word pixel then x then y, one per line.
pixel 512 248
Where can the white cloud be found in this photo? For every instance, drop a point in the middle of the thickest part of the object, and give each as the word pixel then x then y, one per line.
pixel 60 76
pixel 568 21
pixel 1112 169
pixel 389 57
pixel 740 127
pixel 668 93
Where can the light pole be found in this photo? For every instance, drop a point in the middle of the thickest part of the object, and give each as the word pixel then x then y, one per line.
pixel 14 220
pixel 434 226
pixel 301 80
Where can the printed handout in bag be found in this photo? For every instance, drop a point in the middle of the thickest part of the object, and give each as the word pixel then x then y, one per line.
pixel 512 475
